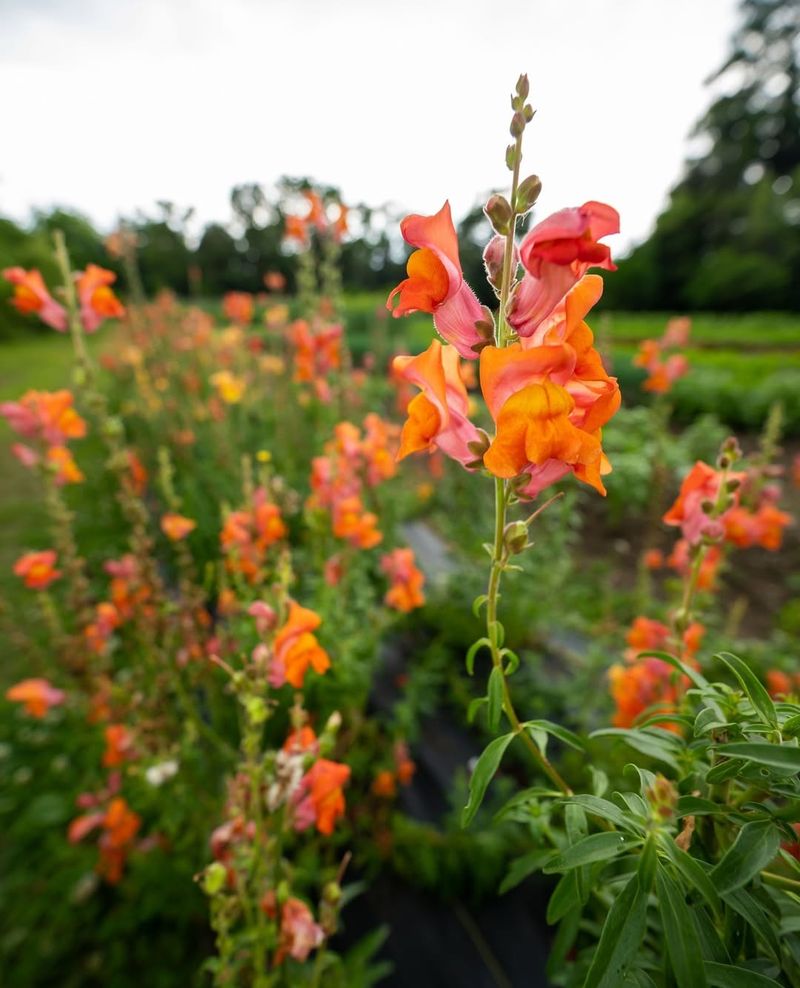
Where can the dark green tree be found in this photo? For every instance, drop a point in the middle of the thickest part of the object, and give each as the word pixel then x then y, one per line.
pixel 730 236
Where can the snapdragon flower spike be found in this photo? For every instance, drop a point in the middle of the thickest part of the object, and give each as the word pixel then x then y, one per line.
pixel 435 282
pixel 556 254
pixel 438 416
pixel 31 295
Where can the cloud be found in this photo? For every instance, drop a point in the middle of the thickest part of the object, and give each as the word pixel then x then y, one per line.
pixel 117 105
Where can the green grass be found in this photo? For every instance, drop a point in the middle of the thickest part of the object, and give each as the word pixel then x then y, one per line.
pixel 749 330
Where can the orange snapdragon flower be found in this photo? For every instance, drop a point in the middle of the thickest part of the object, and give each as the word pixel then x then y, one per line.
pixel 699 486
pixel 238 307
pixel 322 788
pixel 176 527
pixel 405 593
pixel 353 523
pixel 47 416
pixel 36 695
pixel 66 469
pixel 435 282
pixel 31 296
pixel 37 569
pixel 438 416
pixel 119 745
pixel 556 254
pixel 97 300
pixel 296 648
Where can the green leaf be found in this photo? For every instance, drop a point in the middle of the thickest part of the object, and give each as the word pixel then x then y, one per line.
pixel 647 742
pixel 495 695
pixel 692 674
pixel 751 911
pixel 497 632
pixel 473 651
pixel 692 873
pixel 520 800
pixel 567 737
pixel 478 603
pixel 622 934
pixel 513 661
pixel 605 809
pixel 750 683
pixel 711 945
pixel 727 976
pixel 595 847
pixel 695 806
pixel 564 898
pixel 791 726
pixel 680 936
pixel 484 772
pixel 474 706
pixel 520 868
pixel 723 771
pixel 783 757
pixel 755 847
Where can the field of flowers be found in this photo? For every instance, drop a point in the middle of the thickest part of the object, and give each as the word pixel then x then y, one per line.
pixel 343 648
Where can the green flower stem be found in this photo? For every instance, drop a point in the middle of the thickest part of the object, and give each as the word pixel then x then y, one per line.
pixel 492 593
pixel 84 364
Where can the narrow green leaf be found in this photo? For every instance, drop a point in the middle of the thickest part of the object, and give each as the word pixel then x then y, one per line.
pixel 484 772
pixel 513 661
pixel 695 806
pixel 621 937
pixel 751 684
pixel 783 757
pixel 711 945
pixel 495 696
pixel 648 864
pixel 692 674
pixel 473 651
pixel 680 936
pixel 728 976
pixel 474 706
pixel 755 847
pixel 478 603
pixel 564 898
pixel 723 771
pixel 497 632
pixel 557 731
pixel 605 809
pixel 647 742
pixel 791 726
pixel 595 847
pixel 692 873
pixel 751 911
pixel 520 868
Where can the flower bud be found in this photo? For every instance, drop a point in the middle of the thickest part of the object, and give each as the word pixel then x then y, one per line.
pixel 515 537
pixel 214 878
pixel 733 484
pixel 707 507
pixel 493 257
pixel 517 124
pixel 511 157
pixel 528 112
pixel 528 193
pixel 332 893
pixel 523 87
pixel 256 708
pixel 499 213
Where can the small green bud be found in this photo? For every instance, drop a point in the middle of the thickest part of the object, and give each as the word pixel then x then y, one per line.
pixel 515 537
pixel 523 87
pixel 528 112
pixel 214 878
pixel 511 157
pixel 499 213
pixel 332 893
pixel 527 193
pixel 257 710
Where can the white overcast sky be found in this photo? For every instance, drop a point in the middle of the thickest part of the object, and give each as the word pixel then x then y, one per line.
pixel 109 105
